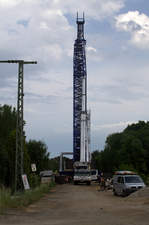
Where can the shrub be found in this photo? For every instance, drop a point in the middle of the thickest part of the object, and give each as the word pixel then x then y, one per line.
pixel 34 180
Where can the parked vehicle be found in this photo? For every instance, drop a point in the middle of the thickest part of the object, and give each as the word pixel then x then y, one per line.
pixel 94 175
pixel 82 173
pixel 82 176
pixel 46 176
pixel 126 182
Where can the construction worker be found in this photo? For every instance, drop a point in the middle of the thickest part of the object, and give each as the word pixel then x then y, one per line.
pixel 102 184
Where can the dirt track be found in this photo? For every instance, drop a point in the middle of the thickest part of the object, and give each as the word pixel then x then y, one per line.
pixel 83 205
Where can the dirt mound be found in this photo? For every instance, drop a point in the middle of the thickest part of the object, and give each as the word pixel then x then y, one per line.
pixel 143 192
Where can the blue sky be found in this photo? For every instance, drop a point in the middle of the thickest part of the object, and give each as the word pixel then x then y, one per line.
pixel 117 34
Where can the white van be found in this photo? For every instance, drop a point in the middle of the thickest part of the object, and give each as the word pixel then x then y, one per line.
pixel 126 182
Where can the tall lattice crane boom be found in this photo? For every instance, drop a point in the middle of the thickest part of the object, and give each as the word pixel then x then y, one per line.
pixel 79 78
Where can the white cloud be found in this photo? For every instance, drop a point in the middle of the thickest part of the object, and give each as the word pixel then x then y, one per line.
pixel 114 125
pixel 91 49
pixel 8 3
pixel 40 30
pixel 137 25
pixel 93 54
pixel 32 27
pixel 95 8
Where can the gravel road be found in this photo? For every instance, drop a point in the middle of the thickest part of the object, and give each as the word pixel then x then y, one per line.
pixel 80 205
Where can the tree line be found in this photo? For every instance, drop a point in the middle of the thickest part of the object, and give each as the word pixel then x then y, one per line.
pixel 34 151
pixel 126 150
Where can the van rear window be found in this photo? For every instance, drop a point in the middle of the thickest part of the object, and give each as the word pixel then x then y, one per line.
pixel 133 179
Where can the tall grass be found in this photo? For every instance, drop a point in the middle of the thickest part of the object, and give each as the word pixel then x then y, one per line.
pixel 5 199
pixel 22 199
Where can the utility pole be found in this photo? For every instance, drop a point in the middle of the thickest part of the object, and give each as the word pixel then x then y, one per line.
pixel 19 158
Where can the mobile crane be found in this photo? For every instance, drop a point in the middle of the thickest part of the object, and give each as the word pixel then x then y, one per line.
pixel 81 117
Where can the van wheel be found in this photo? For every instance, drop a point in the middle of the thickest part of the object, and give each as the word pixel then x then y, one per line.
pixel 114 192
pixel 75 182
pixel 124 193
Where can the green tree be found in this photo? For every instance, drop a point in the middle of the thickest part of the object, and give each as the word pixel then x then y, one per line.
pixel 38 154
pixel 126 150
pixel 8 117
pixel 7 127
pixel 96 159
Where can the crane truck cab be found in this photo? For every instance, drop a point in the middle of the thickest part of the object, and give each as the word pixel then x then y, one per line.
pixel 82 173
pixel 126 182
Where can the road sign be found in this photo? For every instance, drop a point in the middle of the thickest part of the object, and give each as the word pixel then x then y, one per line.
pixel 25 182
pixel 33 167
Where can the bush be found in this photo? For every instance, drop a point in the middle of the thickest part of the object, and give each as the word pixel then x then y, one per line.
pixel 145 179
pixel 34 180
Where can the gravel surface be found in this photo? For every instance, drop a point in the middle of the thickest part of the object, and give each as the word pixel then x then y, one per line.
pixel 81 205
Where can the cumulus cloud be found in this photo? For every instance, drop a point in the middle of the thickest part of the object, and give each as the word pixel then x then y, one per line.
pixel 39 29
pixel 93 54
pixel 114 125
pixel 42 30
pixel 35 33
pixel 94 9
pixel 137 25
pixel 8 3
pixel 91 49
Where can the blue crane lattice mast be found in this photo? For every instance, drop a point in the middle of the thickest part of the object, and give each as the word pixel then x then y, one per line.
pixel 79 72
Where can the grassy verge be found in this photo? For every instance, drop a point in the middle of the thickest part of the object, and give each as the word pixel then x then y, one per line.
pixel 22 199
pixel 5 199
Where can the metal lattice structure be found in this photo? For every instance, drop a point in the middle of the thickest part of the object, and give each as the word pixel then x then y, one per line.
pixel 19 131
pixel 19 165
pixel 79 72
pixel 20 124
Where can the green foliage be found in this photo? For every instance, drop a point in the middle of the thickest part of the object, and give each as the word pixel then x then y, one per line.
pixel 34 151
pixel 30 196
pixel 7 122
pixel 34 180
pixel 38 154
pixel 8 117
pixel 54 164
pixel 128 150
pixel 5 199
pixel 7 144
pixel 126 167
pixel 96 160
pixel 146 179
